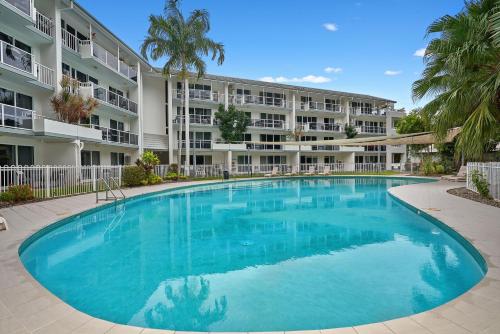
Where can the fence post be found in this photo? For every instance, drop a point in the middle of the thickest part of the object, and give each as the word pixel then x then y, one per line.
pixel 94 179
pixel 120 175
pixel 47 181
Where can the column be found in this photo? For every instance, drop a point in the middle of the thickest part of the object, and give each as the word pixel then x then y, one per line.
pixel 56 48
pixel 229 159
pixel 347 112
pixel 186 122
pixel 294 113
pixel 170 121
pixel 140 108
pixel 226 95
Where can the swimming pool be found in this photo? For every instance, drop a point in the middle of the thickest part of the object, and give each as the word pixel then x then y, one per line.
pixel 263 255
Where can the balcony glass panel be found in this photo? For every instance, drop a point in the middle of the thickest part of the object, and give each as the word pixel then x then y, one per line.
pixel 16 117
pixel 16 57
pixel 22 5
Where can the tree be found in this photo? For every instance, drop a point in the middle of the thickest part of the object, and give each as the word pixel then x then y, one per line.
pixel 185 43
pixel 350 131
pixel 69 106
pixel 232 123
pixel 416 121
pixel 462 76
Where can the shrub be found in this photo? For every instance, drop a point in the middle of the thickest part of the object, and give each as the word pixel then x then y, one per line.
pixel 173 168
pixel 154 179
pixel 428 167
pixel 133 176
pixel 174 176
pixel 22 192
pixel 439 169
pixel 148 161
pixel 6 197
pixel 481 184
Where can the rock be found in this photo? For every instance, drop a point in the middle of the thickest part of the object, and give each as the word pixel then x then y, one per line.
pixel 3 224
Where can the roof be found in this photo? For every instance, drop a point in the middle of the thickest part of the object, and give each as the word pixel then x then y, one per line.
pixel 214 77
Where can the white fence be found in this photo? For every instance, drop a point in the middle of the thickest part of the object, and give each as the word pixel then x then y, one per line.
pixel 57 181
pixel 490 171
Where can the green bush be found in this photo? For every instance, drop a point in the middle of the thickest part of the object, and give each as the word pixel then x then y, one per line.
pixel 154 179
pixel 173 168
pixel 173 176
pixel 22 192
pixel 428 167
pixel 439 169
pixel 481 184
pixel 6 197
pixel 133 176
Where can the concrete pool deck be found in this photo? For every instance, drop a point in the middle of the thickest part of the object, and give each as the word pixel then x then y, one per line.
pixel 27 307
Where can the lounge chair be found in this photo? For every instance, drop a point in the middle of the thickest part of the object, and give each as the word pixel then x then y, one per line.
pixel 274 172
pixel 312 171
pixel 460 177
pixel 326 171
pixel 295 171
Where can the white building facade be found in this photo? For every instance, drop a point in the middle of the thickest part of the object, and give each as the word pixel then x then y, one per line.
pixel 44 40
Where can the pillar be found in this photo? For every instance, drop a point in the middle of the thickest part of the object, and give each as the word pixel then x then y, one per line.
pixel 226 95
pixel 140 108
pixel 294 113
pixel 186 122
pixel 170 121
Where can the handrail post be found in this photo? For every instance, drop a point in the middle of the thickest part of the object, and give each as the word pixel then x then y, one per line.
pixel 47 181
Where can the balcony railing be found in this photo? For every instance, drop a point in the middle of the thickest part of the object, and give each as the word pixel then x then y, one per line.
pixel 197 144
pixel 319 106
pixel 106 96
pixel 15 57
pixel 44 24
pixel 268 123
pixel 14 117
pixel 118 136
pixel 44 74
pixel 196 119
pixel 200 94
pixel 370 111
pixel 371 129
pixel 257 100
pixel 25 6
pixel 325 147
pixel 264 147
pixel 326 127
pixel 106 57
pixel 71 41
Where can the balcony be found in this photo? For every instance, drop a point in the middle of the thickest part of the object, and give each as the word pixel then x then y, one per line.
pixel 364 111
pixel 23 67
pixel 52 128
pixel 44 24
pixel 22 7
pixel 118 136
pixel 268 123
pixel 91 50
pixel 258 101
pixel 320 106
pixel 196 144
pixel 264 147
pixel 371 130
pixel 200 95
pixel 321 127
pixel 108 98
pixel 16 118
pixel 196 119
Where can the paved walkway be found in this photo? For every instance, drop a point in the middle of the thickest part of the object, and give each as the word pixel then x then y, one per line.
pixel 27 307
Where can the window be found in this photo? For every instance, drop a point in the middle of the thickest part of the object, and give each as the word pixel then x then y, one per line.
pixel 94 80
pixel 246 137
pixel 244 160
pixel 329 160
pixel 304 159
pixel 66 69
pixel 16 155
pixel 308 138
pixel 200 160
pixel 307 119
pixel 90 158
pixel 240 91
pixel 24 101
pixel 273 160
pixel 275 99
pixel 358 159
pixel 117 159
pixel 332 105
pixel 7 97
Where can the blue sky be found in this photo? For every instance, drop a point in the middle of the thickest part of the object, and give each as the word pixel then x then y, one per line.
pixel 362 46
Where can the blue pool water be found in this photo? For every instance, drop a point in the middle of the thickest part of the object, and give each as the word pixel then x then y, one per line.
pixel 255 256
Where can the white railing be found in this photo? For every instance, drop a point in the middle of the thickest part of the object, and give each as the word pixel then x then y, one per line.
pixel 257 100
pixel 490 171
pixel 44 24
pixel 324 127
pixel 44 74
pixel 14 117
pixel 200 94
pixel 196 119
pixel 17 58
pixel 196 144
pixel 268 123
pixel 106 57
pixel 71 41
pixel 371 129
pixel 373 111
pixel 117 136
pixel 104 95
pixel 57 181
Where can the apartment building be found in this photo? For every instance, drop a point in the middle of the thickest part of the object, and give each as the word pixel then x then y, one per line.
pixel 43 41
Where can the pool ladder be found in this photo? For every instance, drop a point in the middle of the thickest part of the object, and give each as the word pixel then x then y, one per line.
pixel 108 187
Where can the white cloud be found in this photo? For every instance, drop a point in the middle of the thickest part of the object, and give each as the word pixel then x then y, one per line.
pixel 318 79
pixel 420 52
pixel 333 69
pixel 330 26
pixel 392 72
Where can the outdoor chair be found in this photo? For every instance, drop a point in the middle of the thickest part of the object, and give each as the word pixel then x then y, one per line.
pixel 274 172
pixel 460 177
pixel 312 171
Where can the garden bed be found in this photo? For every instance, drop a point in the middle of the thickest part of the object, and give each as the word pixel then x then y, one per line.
pixel 473 196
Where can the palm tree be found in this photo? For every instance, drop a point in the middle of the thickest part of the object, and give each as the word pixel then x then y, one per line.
pixel 185 43
pixel 462 76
